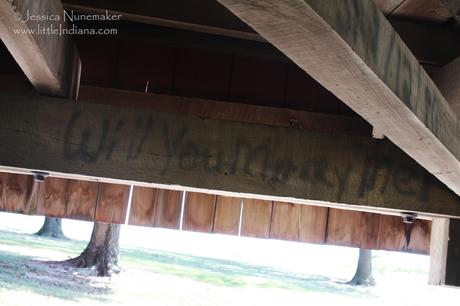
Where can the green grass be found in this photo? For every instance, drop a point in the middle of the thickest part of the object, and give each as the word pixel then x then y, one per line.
pixel 22 272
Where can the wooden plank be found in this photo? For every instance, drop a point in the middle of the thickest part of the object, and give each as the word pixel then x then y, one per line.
pixel 64 198
pixel 3 179
pixel 353 228
pixel 168 209
pixel 112 203
pixel 313 224
pixel 50 61
pixel 227 217
pixel 439 242
pixel 424 10
pixel 20 194
pixel 256 218
pixel 82 200
pixel 217 20
pixel 143 206
pixel 285 221
pixel 221 110
pixel 199 212
pixel 360 59
pixel 393 235
pixel 162 149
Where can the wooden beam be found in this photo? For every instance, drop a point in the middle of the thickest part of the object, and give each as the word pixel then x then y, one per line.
pixel 447 80
pixel 438 251
pixel 221 110
pixel 44 52
pixel 430 43
pixel 150 148
pixel 351 49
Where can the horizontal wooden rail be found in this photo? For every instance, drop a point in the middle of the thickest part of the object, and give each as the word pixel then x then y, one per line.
pixel 175 151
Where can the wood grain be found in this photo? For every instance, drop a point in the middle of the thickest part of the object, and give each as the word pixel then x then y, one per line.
pixel 64 198
pixel 138 146
pixel 82 200
pixel 373 72
pixel 392 235
pixel 256 218
pixel 20 194
pixel 222 110
pixel 112 203
pixel 353 228
pixel 168 209
pixel 285 221
pixel 199 212
pixel 49 61
pixel 3 178
pixel 439 242
pixel 227 217
pixel 143 206
pixel 313 224
pixel 423 10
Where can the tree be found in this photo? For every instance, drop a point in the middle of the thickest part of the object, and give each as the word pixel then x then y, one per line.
pixel 363 275
pixel 102 251
pixel 52 228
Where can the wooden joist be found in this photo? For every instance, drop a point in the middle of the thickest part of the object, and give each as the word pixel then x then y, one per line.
pixel 114 144
pixel 34 33
pixel 351 49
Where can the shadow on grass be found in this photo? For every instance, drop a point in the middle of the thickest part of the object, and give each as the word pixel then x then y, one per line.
pixel 233 274
pixel 22 273
pixel 45 243
pixel 18 271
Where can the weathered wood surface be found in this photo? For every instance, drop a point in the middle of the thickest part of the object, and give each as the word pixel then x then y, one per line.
pixel 147 147
pixel 447 80
pixel 112 203
pixel 256 218
pixel 359 57
pixel 64 198
pixel 393 233
pixel 143 206
pixel 209 213
pixel 220 110
pixel 313 224
pixel 20 194
pixel 199 212
pixel 285 221
pixel 438 11
pixel 168 210
pixel 439 242
pixel 353 228
pixel 49 59
pixel 227 217
pixel 3 178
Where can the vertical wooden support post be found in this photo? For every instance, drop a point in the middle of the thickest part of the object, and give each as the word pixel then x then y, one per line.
pixel 453 254
pixel 438 251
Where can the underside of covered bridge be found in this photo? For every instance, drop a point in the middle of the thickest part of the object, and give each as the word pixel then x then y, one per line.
pixel 331 122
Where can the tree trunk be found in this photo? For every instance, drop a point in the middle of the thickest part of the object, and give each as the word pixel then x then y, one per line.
pixel 363 275
pixel 102 250
pixel 52 228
